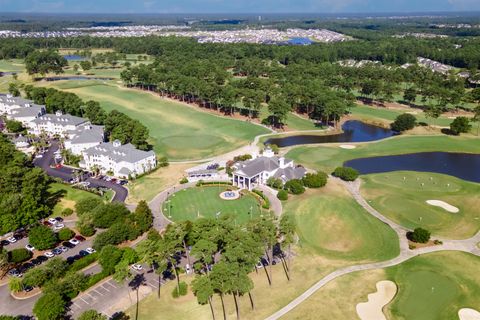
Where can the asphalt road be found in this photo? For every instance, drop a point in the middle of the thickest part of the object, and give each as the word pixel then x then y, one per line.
pixel 66 173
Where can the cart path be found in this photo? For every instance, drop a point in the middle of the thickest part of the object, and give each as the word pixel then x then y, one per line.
pixel 466 245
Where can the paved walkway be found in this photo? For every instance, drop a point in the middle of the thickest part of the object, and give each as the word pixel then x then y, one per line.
pixel 467 245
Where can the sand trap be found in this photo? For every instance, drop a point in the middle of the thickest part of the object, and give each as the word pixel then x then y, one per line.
pixel 347 146
pixel 468 314
pixel 442 204
pixel 372 310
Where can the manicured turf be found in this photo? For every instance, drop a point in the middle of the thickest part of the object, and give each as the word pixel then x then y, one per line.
pixel 373 113
pixel 195 202
pixel 178 131
pixel 11 65
pixel 71 196
pixel 334 225
pixel 435 286
pixel 327 157
pixel 452 275
pixel 404 201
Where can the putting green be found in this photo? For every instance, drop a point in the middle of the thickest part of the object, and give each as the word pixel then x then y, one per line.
pixel 197 202
pixel 333 225
pixel 402 197
pixel 178 131
pixel 430 287
pixel 445 282
pixel 326 157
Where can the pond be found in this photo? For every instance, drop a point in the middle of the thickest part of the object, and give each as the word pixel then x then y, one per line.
pixel 73 57
pixel 353 131
pixel 75 78
pixel 465 166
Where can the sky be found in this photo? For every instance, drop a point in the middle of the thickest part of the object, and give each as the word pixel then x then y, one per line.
pixel 236 6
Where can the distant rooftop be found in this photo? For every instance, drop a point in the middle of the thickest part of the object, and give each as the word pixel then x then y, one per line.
pixel 118 152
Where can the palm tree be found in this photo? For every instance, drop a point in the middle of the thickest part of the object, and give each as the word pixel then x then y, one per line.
pixel 202 288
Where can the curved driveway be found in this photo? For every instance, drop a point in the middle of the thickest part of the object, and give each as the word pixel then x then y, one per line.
pixel 66 173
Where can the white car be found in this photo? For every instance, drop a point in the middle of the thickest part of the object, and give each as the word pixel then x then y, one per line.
pixel 58 226
pixel 137 267
pixel 12 240
pixel 74 241
pixel 188 270
pixel 52 220
pixel 49 254
pixel 29 247
pixel 90 250
pixel 39 156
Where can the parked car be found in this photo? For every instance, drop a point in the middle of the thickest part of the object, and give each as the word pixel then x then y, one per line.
pixel 59 219
pixel 74 241
pixel 27 288
pixel 52 220
pixel 42 259
pixel 49 254
pixel 12 240
pixel 29 247
pixel 63 248
pixel 137 267
pixel 13 272
pixel 79 238
pixel 47 223
pixel 83 253
pixel 67 244
pixel 188 269
pixel 90 250
pixel 58 226
pixel 57 251
pixel 4 243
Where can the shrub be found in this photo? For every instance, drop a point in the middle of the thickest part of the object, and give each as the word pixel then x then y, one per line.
pixel 181 290
pixel 109 257
pixel 346 173
pixel 42 237
pixel 460 125
pixel 67 212
pixel 295 186
pixel 282 195
pixel 315 180
pixel 83 263
pixel 92 315
pixel 86 229
pixel 15 284
pixel 183 180
pixel 65 234
pixel 419 235
pixel 19 255
pixel 266 201
pixel 87 205
pixel 275 183
pixel 243 157
pixel 95 278
pixel 14 126
pixel 50 306
pixel 404 122
pixel 106 215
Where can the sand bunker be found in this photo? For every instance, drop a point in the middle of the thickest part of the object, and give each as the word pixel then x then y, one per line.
pixel 347 146
pixel 372 309
pixel 468 314
pixel 442 204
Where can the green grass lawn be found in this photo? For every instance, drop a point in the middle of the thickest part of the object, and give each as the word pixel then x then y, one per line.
pixel 327 157
pixel 178 131
pixel 71 196
pixel 404 201
pixel 196 202
pixel 435 286
pixel 12 65
pixel 377 113
pixel 333 225
pixel 452 275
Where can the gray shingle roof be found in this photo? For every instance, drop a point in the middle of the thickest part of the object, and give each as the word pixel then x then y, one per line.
pixel 290 173
pixel 33 111
pixel 126 152
pixel 14 101
pixel 87 134
pixel 64 119
pixel 253 167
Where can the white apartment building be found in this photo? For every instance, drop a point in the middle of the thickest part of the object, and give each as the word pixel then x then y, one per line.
pixel 121 160
pixel 56 124
pixel 84 137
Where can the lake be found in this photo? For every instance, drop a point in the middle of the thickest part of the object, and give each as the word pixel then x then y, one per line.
pixel 465 166
pixel 74 57
pixel 353 131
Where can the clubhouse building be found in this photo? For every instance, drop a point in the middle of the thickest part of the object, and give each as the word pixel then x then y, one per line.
pixel 254 172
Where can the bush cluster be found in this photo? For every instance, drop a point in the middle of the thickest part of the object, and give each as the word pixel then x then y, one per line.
pixel 282 195
pixel 404 122
pixel 346 173
pixel 181 290
pixel 19 255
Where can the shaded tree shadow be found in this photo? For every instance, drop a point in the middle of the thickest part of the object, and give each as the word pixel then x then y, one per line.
pixel 135 284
